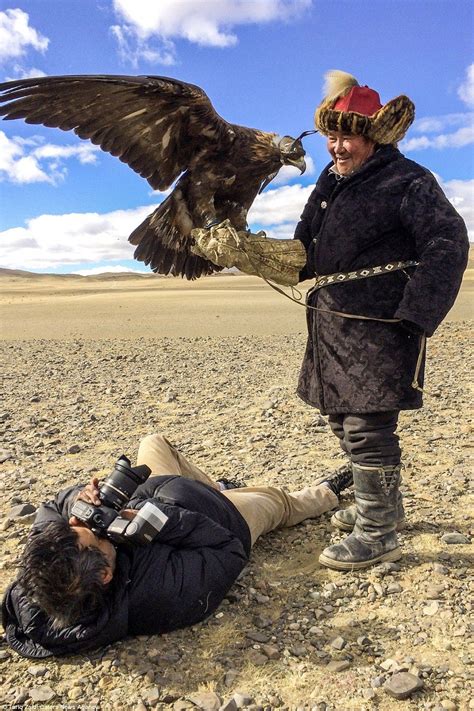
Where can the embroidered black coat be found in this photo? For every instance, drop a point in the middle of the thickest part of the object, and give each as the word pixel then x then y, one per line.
pixel 391 209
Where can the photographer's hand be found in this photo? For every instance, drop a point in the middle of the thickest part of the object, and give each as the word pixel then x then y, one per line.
pixel 90 492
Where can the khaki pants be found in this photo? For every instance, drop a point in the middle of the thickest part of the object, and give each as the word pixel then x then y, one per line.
pixel 264 508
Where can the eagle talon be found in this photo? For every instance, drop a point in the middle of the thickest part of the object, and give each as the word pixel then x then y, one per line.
pixel 210 224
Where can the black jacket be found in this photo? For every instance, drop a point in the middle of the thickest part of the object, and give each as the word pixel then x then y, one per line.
pixel 391 209
pixel 174 582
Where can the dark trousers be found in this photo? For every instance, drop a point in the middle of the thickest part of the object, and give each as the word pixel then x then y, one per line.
pixel 369 439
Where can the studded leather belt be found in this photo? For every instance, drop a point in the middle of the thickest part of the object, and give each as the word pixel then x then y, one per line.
pixel 363 273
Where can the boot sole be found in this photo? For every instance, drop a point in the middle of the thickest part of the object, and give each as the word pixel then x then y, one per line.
pixel 389 557
pixel 401 525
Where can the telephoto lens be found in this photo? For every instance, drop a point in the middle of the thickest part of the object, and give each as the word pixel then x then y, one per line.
pixel 118 488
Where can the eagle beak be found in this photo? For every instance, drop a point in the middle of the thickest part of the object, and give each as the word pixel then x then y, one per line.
pixel 299 163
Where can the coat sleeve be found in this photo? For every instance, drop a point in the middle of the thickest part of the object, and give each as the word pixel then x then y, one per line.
pixel 442 246
pixel 191 529
pixel 198 563
pixel 303 233
pixel 58 508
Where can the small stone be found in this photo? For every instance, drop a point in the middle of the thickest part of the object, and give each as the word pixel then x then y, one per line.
pixel 338 666
pixel 338 643
pixel 257 658
pixel 229 705
pixel 431 609
pixel 170 396
pixel 257 636
pixel 454 538
pixel 151 695
pixel 37 670
pixel 435 591
pixel 377 682
pixel 42 693
pixel 389 665
pixel 230 677
pixel 21 510
pixel 363 641
pixel 271 651
pixel 206 700
pixel 402 685
pixel 75 693
pixel 448 705
pixel 394 588
pixel 441 569
pixel 5 455
pixel 242 699
pixel 368 694
pixel 74 449
pixel 299 650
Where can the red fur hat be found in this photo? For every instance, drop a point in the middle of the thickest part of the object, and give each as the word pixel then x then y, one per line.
pixel 355 109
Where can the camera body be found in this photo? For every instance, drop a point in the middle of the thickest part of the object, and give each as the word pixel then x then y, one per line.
pixel 115 492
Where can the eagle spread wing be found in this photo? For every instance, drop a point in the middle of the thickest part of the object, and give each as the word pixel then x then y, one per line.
pixel 164 129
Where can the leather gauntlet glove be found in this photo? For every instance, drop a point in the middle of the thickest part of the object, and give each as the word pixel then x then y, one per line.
pixel 279 260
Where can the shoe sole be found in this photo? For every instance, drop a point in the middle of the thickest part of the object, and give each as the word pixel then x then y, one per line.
pixel 389 557
pixel 401 525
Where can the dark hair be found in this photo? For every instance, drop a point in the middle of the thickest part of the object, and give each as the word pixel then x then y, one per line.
pixel 64 580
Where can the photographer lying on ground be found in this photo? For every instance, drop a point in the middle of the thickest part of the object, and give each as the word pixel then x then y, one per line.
pixel 93 572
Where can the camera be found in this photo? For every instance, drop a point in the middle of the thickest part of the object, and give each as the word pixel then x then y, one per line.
pixel 115 492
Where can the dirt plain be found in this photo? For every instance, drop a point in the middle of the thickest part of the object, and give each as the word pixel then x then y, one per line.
pixel 93 364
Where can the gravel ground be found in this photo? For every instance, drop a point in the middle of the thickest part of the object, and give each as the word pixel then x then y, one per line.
pixel 290 634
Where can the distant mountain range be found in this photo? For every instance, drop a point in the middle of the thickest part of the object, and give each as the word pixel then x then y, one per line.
pixel 22 274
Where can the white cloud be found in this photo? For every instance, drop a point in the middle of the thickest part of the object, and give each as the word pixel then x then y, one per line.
pixel 116 269
pixel 133 49
pixel 21 72
pixel 279 206
pixel 461 195
pixel 33 161
pixel 16 35
pixel 206 23
pixel 49 241
pixel 463 136
pixel 466 89
pixel 438 124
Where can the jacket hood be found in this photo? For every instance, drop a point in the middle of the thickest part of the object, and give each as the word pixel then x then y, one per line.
pixel 30 632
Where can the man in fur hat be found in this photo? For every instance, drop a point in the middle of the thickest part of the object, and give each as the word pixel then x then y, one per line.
pixel 388 251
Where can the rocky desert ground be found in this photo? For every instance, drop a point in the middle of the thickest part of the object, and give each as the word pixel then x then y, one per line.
pixel 92 365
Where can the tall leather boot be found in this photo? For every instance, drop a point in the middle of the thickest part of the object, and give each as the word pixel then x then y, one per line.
pixel 374 538
pixel 345 519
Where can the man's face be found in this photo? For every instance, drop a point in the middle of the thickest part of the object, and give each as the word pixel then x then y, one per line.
pixel 88 539
pixel 348 151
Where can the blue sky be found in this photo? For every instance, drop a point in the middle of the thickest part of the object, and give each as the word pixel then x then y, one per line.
pixel 66 207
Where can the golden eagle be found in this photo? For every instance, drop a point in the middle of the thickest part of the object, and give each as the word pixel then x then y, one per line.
pixel 165 130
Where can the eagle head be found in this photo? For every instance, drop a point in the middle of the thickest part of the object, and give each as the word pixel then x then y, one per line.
pixel 292 152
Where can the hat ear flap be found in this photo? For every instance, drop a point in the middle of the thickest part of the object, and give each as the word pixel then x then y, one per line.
pixel 390 123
